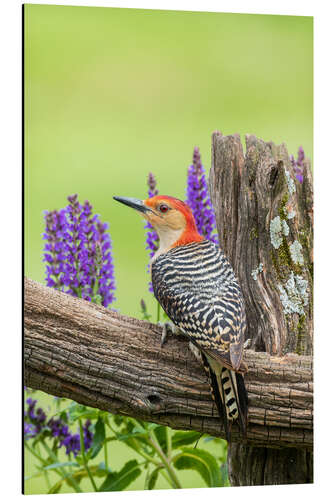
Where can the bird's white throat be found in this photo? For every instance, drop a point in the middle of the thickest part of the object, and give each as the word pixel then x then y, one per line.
pixel 167 238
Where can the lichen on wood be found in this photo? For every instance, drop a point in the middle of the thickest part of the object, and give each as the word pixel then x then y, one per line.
pixel 257 193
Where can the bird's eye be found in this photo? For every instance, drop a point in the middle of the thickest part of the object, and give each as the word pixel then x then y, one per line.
pixel 163 208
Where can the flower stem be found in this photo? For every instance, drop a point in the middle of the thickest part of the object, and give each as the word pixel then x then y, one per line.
pixel 106 452
pixel 46 476
pixel 36 455
pixel 145 455
pixel 85 458
pixel 42 461
pixel 175 481
pixel 168 442
pixel 64 476
pixel 137 447
pixel 153 461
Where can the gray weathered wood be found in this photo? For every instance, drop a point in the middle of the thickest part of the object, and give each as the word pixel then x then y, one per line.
pixel 248 192
pixel 95 356
pixel 252 194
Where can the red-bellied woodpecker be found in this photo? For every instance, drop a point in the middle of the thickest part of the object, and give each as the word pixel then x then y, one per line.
pixel 196 286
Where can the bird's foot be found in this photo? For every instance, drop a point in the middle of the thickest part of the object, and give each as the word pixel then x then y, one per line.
pixel 247 344
pixel 168 327
pixel 195 351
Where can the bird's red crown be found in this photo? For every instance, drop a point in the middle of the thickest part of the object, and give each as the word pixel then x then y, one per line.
pixel 175 213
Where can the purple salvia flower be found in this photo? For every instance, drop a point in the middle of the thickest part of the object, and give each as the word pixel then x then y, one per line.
pixel 35 420
pixel 152 239
pixel 37 417
pixel 30 430
pixel 58 428
pixel 198 198
pixel 36 423
pixel 72 442
pixel 298 165
pixel 78 253
pixel 301 156
pixel 102 250
pixel 54 249
pixel 87 435
pixel 77 265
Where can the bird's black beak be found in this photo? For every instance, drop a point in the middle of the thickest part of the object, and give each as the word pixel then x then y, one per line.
pixel 133 203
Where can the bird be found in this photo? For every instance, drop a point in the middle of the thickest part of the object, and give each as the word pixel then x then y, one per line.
pixel 196 286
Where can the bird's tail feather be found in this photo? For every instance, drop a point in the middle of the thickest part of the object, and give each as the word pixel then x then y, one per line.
pixel 239 400
pixel 230 396
pixel 217 395
pixel 229 393
pixel 243 401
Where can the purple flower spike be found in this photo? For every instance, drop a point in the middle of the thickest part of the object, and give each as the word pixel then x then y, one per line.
pixel 30 430
pixel 72 442
pixel 152 239
pixel 58 428
pixel 87 435
pixel 298 165
pixel 198 198
pixel 35 421
pixel 55 252
pixel 106 283
pixel 36 424
pixel 78 253
pixel 301 156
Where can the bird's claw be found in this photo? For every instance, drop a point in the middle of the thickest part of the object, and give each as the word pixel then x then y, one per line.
pixel 168 327
pixel 247 344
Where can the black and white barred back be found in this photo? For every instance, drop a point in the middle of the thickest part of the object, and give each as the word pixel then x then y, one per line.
pixel 196 286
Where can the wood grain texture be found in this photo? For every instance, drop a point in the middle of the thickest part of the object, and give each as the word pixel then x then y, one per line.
pixel 97 357
pixel 249 191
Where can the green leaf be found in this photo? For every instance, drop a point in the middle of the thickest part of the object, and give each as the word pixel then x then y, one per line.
pixel 119 420
pixel 99 437
pixel 161 436
pixel 208 439
pixel 36 474
pixel 203 462
pixel 224 474
pixel 97 299
pixel 137 444
pixel 118 481
pixel 135 434
pixel 79 459
pixel 102 470
pixel 57 465
pixel 184 438
pixel 142 424
pixel 78 476
pixel 153 478
pixel 55 488
pixel 224 446
pixel 152 426
pixel 77 411
pixel 110 438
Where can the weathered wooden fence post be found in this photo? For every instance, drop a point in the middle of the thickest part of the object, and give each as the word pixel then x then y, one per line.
pixel 265 224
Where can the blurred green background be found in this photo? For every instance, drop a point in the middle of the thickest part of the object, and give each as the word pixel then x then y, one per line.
pixel 112 94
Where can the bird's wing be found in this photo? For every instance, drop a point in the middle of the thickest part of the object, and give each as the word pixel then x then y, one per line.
pixel 212 317
pixel 201 295
pixel 217 327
